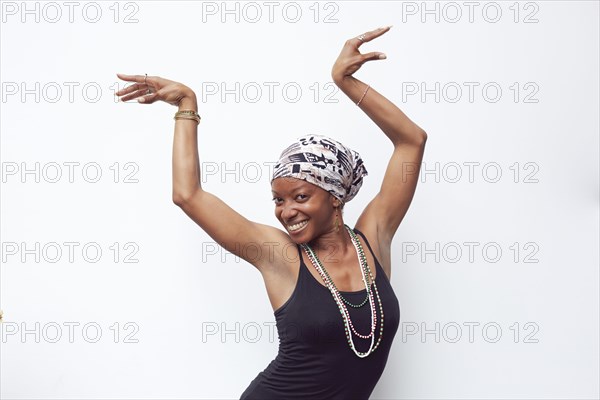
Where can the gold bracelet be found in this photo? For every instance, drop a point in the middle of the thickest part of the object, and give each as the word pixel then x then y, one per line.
pixel 192 119
pixel 186 117
pixel 195 118
pixel 187 114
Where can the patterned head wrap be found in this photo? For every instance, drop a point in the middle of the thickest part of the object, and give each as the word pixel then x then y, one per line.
pixel 324 162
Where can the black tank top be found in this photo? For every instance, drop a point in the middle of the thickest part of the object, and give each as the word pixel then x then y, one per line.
pixel 315 360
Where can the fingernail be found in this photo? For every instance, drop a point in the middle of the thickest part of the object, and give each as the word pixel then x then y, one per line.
pixel 141 100
pixel 382 56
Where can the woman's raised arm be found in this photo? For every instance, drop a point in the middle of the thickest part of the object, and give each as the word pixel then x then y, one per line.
pixel 227 227
pixel 383 214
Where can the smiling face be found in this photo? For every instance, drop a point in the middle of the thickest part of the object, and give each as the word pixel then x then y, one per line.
pixel 306 211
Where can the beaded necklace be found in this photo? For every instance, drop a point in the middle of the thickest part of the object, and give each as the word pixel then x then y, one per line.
pixel 365 271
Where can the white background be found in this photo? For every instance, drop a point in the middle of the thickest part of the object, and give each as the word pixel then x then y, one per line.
pixel 543 297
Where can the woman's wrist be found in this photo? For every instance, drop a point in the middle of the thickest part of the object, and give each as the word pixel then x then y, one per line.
pixel 188 102
pixel 349 85
pixel 343 80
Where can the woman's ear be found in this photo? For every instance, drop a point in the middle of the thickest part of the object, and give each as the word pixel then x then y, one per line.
pixel 335 201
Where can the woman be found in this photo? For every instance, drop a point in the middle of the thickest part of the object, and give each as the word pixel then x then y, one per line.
pixel 331 325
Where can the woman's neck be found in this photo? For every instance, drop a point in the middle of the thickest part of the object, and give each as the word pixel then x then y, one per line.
pixel 332 247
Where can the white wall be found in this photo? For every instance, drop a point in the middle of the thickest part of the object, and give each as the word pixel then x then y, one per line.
pixel 532 193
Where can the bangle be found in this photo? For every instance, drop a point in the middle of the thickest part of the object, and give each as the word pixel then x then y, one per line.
pixel 363 95
pixel 197 119
pixel 187 114
pixel 192 112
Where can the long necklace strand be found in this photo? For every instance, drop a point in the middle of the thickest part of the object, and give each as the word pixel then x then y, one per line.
pixel 344 311
pixel 364 260
pixel 337 295
pixel 365 270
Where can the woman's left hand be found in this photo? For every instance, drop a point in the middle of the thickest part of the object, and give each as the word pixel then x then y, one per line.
pixel 350 59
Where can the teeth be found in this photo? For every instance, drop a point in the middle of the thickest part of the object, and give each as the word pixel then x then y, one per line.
pixel 297 226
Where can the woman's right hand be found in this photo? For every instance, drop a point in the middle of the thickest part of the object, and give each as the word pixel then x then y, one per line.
pixel 161 89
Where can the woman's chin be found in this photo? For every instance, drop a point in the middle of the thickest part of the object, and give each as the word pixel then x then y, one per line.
pixel 298 239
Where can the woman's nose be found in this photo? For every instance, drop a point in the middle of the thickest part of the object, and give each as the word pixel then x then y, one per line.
pixel 288 213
